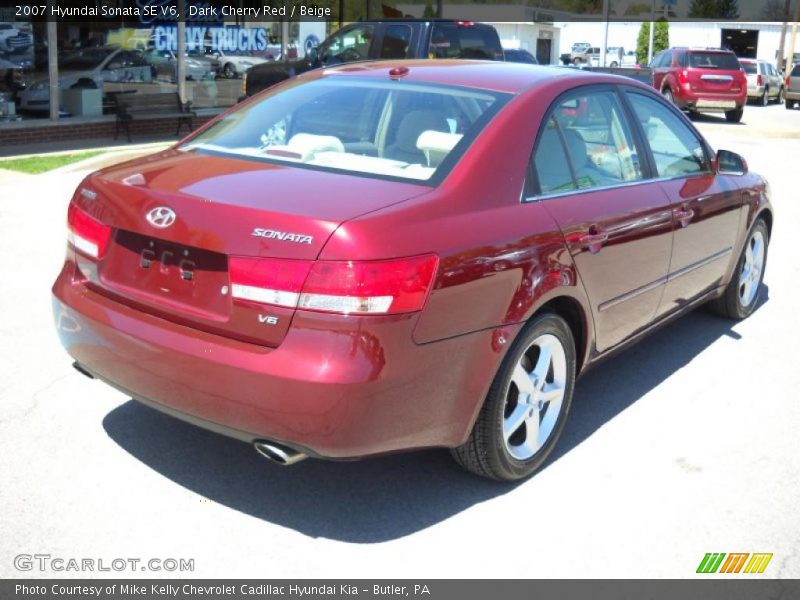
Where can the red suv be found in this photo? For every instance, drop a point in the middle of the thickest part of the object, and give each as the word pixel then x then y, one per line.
pixel 701 80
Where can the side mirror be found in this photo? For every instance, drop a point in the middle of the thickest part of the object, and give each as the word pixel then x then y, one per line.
pixel 730 163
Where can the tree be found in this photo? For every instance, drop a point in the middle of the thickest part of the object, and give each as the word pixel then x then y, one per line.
pixel 429 11
pixel 660 39
pixel 727 10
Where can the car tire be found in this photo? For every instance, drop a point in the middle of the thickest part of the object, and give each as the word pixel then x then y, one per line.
pixel 502 445
pixel 614 64
pixel 577 62
pixel 734 116
pixel 740 297
pixel 668 96
pixel 229 71
pixel 764 100
pixel 789 104
pixel 779 99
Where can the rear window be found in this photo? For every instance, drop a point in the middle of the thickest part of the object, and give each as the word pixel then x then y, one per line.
pixel 714 60
pixel 451 40
pixel 749 67
pixel 392 129
pixel 796 70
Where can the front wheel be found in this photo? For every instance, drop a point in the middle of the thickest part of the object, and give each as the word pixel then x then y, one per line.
pixel 734 116
pixel 741 294
pixel 229 71
pixel 527 405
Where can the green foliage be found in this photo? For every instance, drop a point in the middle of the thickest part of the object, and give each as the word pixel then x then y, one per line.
pixel 660 40
pixel 714 9
pixel 429 11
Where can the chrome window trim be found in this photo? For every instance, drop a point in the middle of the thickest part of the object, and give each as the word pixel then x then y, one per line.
pixel 624 184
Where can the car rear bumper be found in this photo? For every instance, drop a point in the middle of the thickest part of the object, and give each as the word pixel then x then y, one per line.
pixel 710 102
pixel 336 387
pixel 791 95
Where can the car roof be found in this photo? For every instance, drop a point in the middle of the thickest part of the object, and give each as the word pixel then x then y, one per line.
pixel 497 76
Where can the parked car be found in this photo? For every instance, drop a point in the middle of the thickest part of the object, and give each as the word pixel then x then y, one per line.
pixel 164 65
pixel 13 39
pixel 792 93
pixel 345 265
pixel 519 55
pixel 392 39
pixel 88 68
pixel 701 80
pixel 614 56
pixel 578 55
pixel 629 59
pixel 764 83
pixel 232 66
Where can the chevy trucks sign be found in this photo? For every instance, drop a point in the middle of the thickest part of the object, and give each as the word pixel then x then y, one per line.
pixel 225 39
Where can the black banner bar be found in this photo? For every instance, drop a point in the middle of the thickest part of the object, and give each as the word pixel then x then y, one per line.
pixel 707 588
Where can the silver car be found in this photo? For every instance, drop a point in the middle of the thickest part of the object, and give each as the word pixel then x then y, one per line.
pixel 793 86
pixel 764 83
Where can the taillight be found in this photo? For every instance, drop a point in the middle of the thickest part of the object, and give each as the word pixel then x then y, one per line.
pixel 759 80
pixel 87 234
pixel 683 76
pixel 268 281
pixel 345 287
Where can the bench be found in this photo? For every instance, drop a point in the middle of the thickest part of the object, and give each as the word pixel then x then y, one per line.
pixel 164 105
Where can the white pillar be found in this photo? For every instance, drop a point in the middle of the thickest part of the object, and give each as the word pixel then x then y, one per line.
pixel 181 74
pixel 52 67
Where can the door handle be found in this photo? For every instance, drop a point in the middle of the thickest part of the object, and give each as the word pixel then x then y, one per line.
pixel 594 240
pixel 684 215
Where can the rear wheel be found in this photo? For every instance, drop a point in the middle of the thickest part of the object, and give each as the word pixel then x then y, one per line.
pixel 667 93
pixel 614 64
pixel 734 116
pixel 527 405
pixel 789 104
pixel 741 294
pixel 779 99
pixel 765 97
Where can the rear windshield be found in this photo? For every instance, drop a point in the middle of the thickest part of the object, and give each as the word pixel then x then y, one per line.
pixel 749 67
pixel 392 129
pixel 714 60
pixel 451 40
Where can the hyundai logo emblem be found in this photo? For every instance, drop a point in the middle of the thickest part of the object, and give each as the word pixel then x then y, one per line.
pixel 161 217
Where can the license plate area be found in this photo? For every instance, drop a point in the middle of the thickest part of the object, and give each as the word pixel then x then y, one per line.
pixel 183 278
pixel 724 104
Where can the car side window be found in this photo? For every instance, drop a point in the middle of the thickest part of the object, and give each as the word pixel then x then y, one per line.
pixel 395 42
pixel 550 162
pixel 598 139
pixel 347 46
pixel 598 142
pixel 676 149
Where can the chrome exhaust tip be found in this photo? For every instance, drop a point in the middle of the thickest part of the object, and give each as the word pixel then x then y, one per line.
pixel 278 453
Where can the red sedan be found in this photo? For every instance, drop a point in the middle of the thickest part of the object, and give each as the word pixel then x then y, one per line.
pixel 381 257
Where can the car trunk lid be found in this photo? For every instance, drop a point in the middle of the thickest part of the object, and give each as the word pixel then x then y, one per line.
pixel 223 207
pixel 716 73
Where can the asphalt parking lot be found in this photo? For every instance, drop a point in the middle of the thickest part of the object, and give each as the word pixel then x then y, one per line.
pixel 684 445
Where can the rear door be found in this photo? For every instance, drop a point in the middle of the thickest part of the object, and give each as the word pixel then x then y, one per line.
pixel 616 223
pixel 705 205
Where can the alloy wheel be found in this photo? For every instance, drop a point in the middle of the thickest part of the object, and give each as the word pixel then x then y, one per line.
pixel 750 277
pixel 535 397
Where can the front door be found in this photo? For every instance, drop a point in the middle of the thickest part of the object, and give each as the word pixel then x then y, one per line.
pixel 706 206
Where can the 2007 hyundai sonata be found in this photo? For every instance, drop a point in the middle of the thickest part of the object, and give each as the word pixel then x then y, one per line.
pixel 388 256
